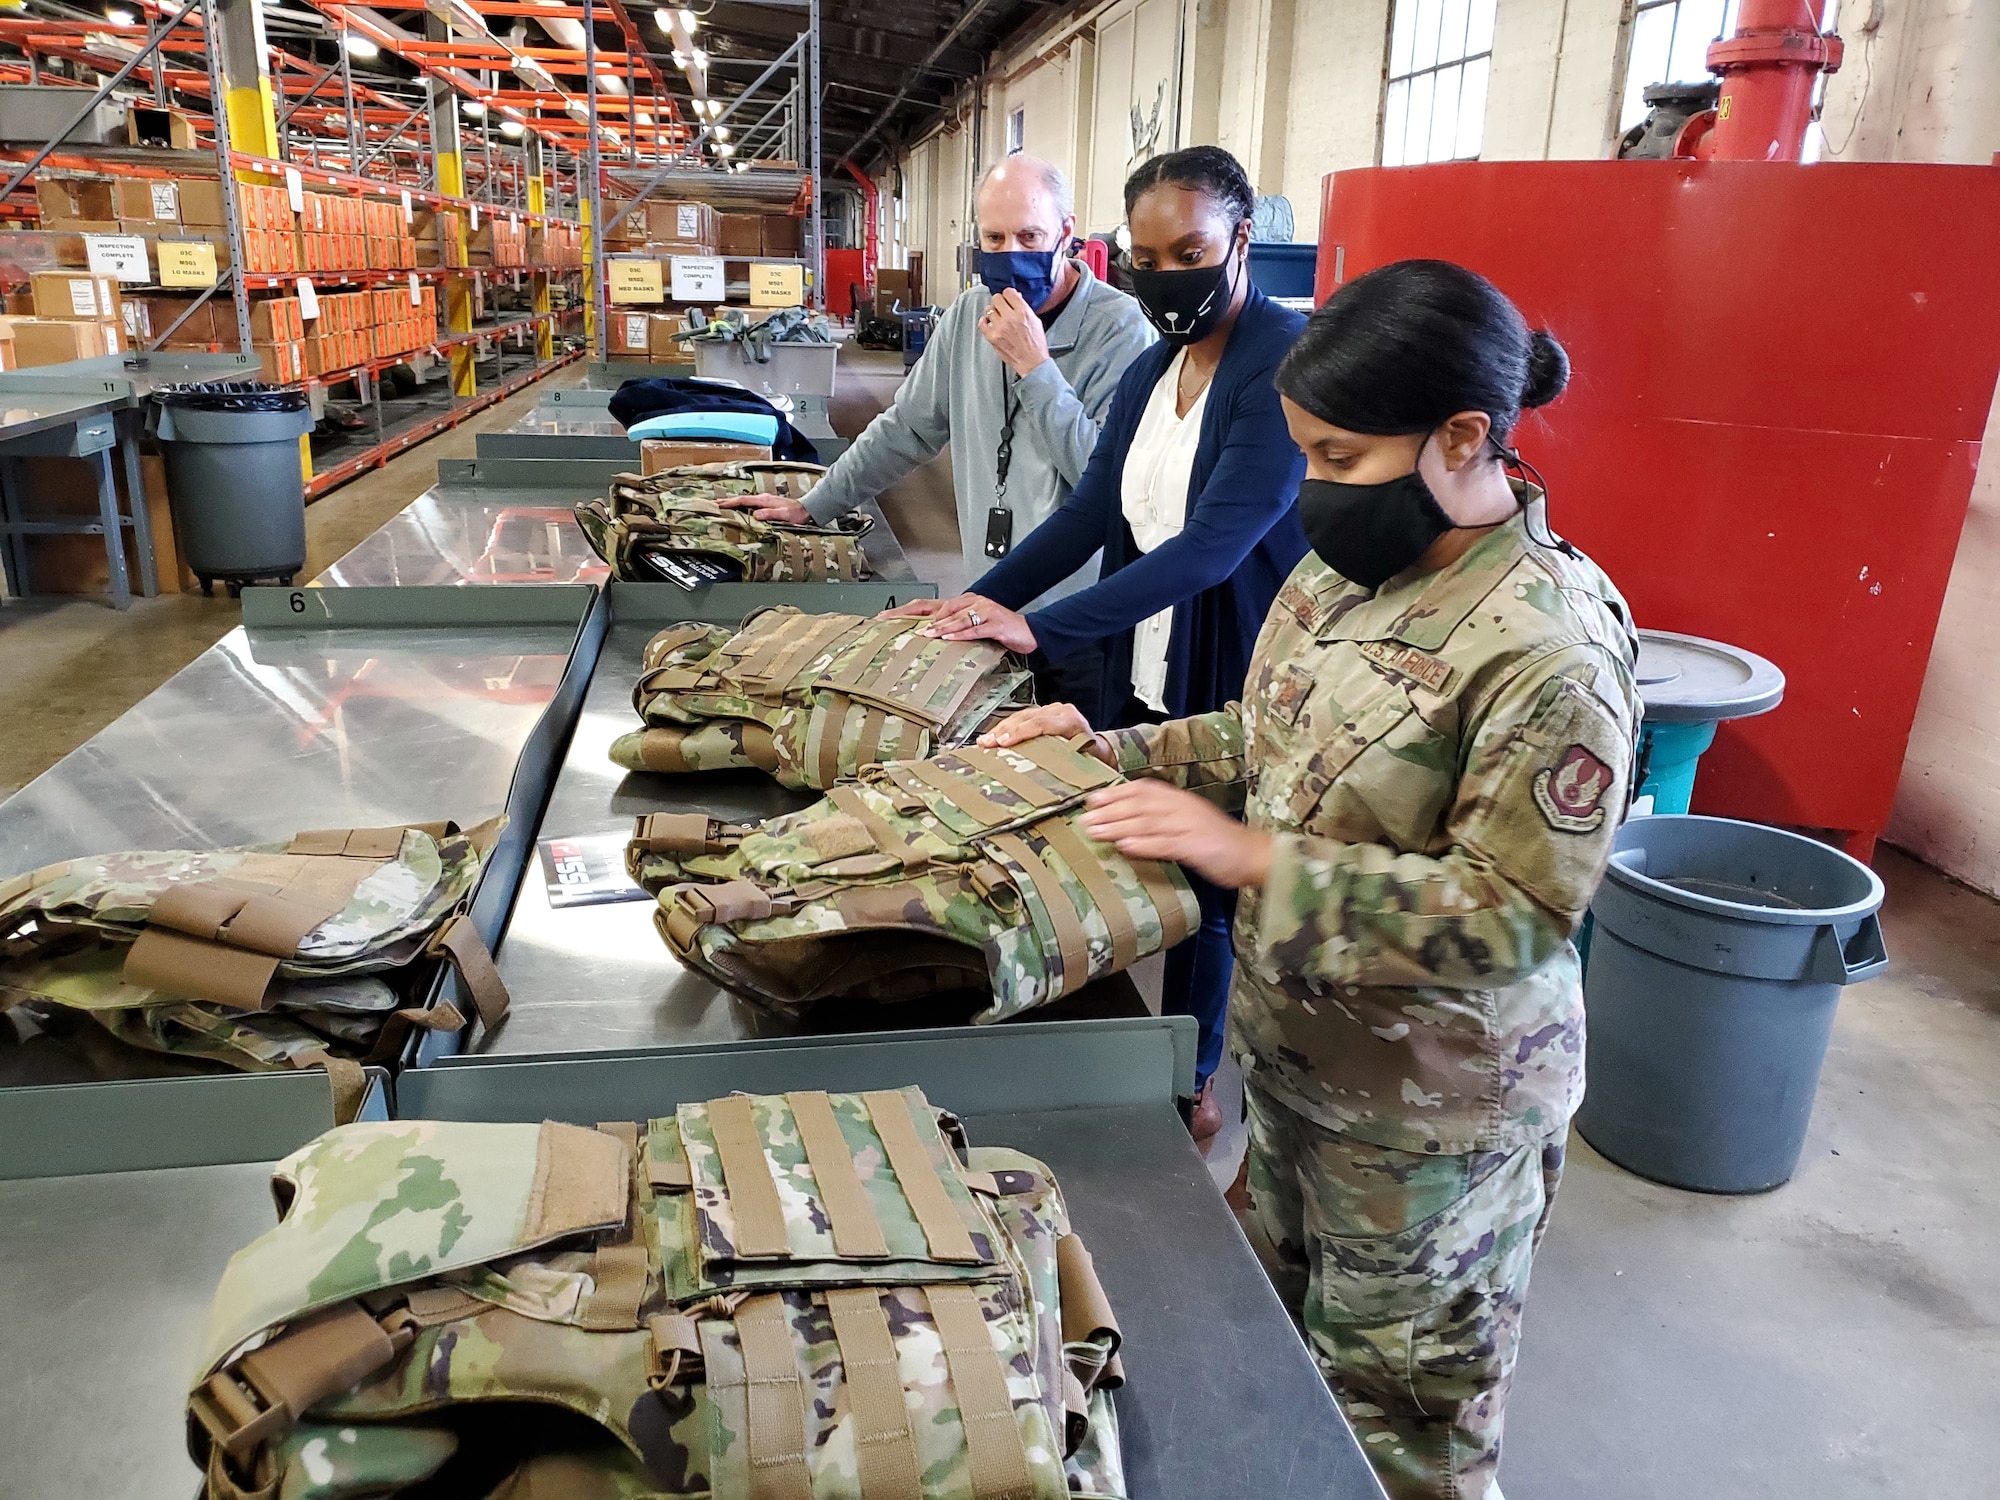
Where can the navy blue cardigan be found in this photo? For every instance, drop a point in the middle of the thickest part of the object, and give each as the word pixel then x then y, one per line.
pixel 1240 541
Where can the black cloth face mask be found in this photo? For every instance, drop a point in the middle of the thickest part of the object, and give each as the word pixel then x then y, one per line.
pixel 1186 306
pixel 1368 533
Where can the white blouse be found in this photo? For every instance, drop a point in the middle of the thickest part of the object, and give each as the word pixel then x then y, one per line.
pixel 1159 470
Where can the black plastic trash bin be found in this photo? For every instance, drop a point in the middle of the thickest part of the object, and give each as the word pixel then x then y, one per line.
pixel 235 478
pixel 1720 954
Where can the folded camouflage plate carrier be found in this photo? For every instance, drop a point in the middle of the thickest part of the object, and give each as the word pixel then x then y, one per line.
pixel 924 878
pixel 308 953
pixel 813 698
pixel 786 1297
pixel 679 511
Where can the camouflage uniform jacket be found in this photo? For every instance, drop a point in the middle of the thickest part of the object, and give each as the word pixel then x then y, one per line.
pixel 800 1295
pixel 1444 764
pixel 679 511
pixel 938 880
pixel 812 698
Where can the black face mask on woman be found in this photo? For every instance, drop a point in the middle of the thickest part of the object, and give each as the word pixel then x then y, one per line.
pixel 1368 533
pixel 1186 306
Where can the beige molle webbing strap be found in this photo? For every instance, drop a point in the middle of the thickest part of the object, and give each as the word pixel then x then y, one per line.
pixel 1071 941
pixel 458 942
pixel 1086 1311
pixel 917 1176
pixel 746 1178
pixel 583 1180
pixel 221 940
pixel 686 909
pixel 674 1351
pixel 1068 763
pixel 345 1078
pixel 994 764
pixel 257 1399
pixel 1166 900
pixel 995 1452
pixel 1088 866
pixel 955 790
pixel 618 1273
pixel 885 1452
pixel 857 1233
pixel 887 840
pixel 776 1398
pixel 777 664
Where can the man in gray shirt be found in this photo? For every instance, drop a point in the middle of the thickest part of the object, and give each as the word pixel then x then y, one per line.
pixel 1015 383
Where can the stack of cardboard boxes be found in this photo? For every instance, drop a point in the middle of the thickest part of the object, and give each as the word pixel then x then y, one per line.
pixel 64 315
pixel 352 328
pixel 638 334
pixel 452 252
pixel 153 208
pixel 663 227
pixel 341 233
pixel 555 245
pixel 499 242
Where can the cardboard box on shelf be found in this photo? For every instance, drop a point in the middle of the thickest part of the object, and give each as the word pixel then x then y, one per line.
pixel 213 322
pixel 781 235
pixel 656 454
pixel 631 332
pixel 146 125
pixel 665 348
pixel 73 294
pixel 67 237
pixel 75 198
pixel 146 202
pixel 670 220
pixel 64 487
pixel 740 234
pixel 284 362
pixel 8 360
pixel 57 341
pixel 201 200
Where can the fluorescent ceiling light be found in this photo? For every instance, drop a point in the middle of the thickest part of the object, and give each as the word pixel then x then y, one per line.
pixel 725 150
pixel 121 17
pixel 688 21
pixel 722 132
pixel 512 129
pixel 360 46
pixel 680 59
pixel 475 109
pixel 664 19
pixel 700 58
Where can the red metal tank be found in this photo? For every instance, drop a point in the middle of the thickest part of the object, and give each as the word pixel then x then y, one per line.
pixel 1781 377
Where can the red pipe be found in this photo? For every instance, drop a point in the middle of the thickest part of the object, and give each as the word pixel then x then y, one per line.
pixel 868 245
pixel 1768 70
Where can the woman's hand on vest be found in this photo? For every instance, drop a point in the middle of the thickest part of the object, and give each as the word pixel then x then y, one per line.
pixel 916 609
pixel 1063 720
pixel 973 617
pixel 770 508
pixel 1148 819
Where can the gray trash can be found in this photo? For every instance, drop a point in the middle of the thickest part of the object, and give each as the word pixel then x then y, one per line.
pixel 235 480
pixel 1720 953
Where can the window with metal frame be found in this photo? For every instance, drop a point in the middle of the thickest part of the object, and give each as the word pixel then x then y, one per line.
pixel 1017 130
pixel 1440 52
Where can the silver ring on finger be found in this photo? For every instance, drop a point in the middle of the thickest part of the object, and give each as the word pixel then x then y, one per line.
pixel 973 615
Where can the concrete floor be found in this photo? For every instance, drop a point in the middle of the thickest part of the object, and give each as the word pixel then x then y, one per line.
pixel 1837 1337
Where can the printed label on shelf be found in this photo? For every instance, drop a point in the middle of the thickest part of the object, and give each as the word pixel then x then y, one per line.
pixel 409 215
pixel 295 189
pixel 187 263
pixel 698 278
pixel 636 281
pixel 687 221
pixel 120 255
pixel 83 298
pixel 777 286
pixel 475 216
pixel 635 330
pixel 166 200
pixel 416 293
pixel 308 299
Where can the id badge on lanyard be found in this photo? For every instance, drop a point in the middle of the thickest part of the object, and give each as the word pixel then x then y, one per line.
pixel 1000 519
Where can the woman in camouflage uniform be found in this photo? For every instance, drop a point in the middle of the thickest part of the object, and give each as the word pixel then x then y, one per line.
pixel 1432 755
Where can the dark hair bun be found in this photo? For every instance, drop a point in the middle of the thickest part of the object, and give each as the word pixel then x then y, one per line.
pixel 1548 370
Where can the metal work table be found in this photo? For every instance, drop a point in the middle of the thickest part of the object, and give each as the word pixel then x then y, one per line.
pixel 84 409
pixel 109 1277
pixel 577 422
pixel 511 520
pixel 325 709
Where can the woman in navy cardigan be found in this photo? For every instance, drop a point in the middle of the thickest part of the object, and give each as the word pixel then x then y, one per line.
pixel 1194 513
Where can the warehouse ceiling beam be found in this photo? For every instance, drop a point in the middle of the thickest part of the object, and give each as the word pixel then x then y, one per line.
pixel 971 13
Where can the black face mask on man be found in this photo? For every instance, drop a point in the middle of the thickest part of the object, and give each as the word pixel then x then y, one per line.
pixel 1186 306
pixel 1368 533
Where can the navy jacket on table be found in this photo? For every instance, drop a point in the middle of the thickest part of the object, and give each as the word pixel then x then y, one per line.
pixel 1238 544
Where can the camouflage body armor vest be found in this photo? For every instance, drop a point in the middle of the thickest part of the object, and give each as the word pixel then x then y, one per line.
pixel 676 511
pixel 964 874
pixel 308 953
pixel 774 1297
pixel 813 698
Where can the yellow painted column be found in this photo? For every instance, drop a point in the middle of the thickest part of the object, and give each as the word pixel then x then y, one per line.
pixel 538 203
pixel 589 275
pixel 451 182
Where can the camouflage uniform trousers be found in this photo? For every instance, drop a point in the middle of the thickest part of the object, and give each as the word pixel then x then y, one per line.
pixel 1410 1272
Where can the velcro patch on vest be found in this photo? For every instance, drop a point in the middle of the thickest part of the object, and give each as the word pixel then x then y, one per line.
pixel 838 836
pixel 1406 661
pixel 1299 604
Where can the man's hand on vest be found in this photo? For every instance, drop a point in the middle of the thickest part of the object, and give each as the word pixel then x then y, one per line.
pixel 770 508
pixel 1015 333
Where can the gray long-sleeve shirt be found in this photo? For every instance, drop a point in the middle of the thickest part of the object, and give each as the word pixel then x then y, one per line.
pixel 960 392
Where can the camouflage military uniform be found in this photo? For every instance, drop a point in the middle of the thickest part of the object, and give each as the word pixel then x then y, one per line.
pixel 799 1295
pixel 1444 763
pixel 679 511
